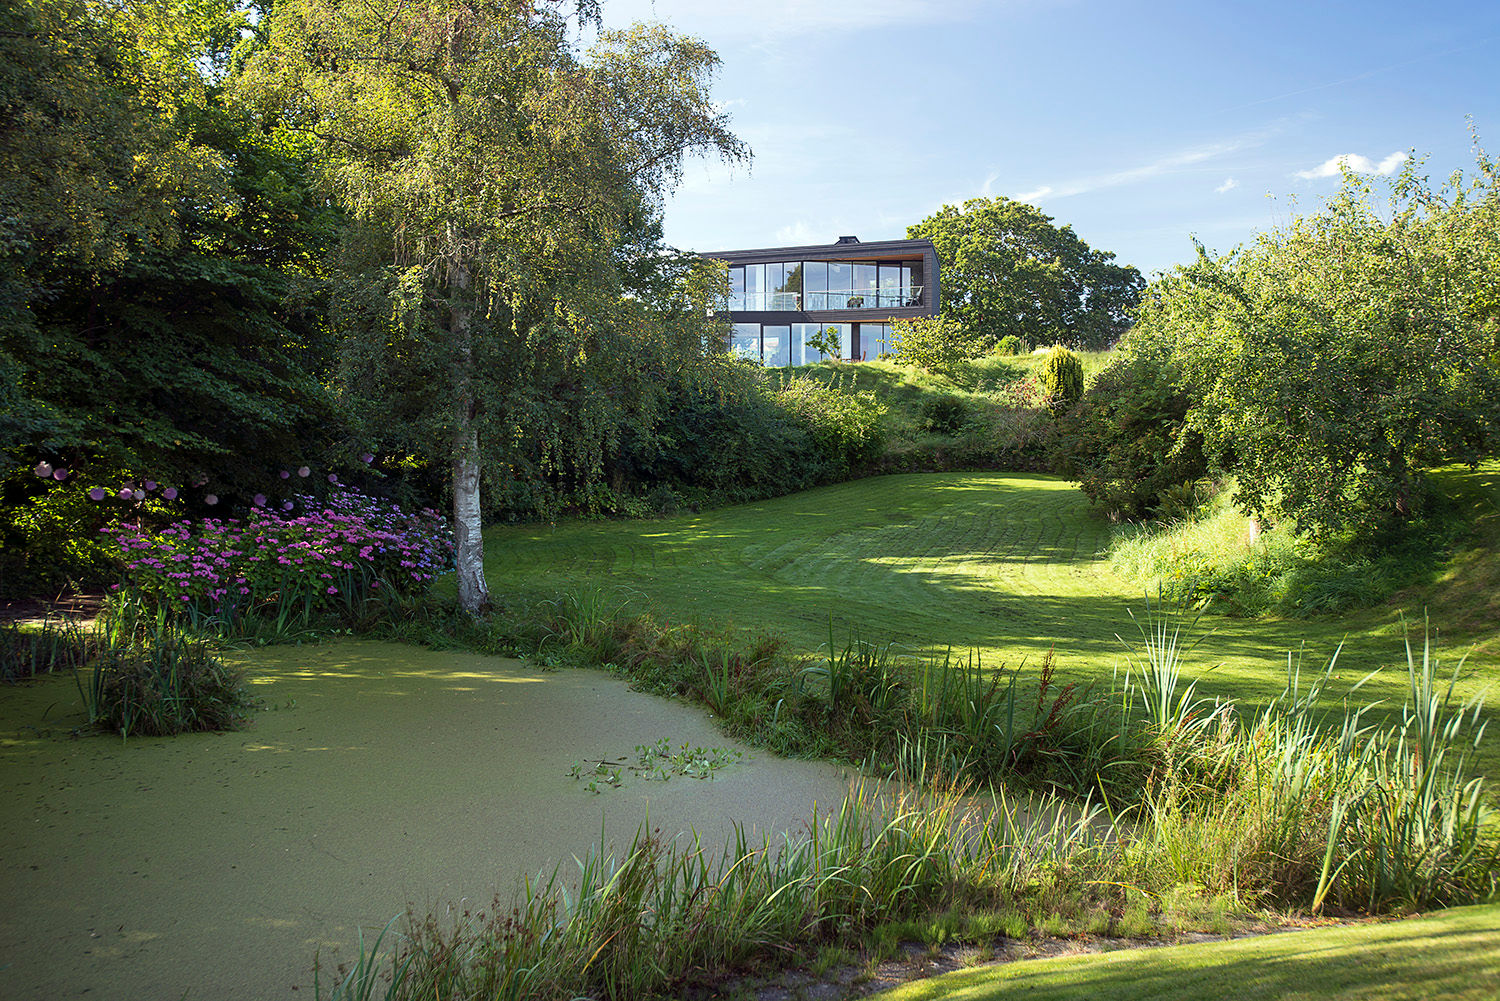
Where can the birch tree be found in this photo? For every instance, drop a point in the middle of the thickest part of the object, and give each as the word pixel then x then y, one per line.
pixel 502 167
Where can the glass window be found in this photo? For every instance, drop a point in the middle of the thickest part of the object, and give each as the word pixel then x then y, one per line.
pixel 737 288
pixel 911 282
pixel 755 286
pixel 776 343
pixel 864 287
pixel 890 286
pixel 744 342
pixel 874 340
pixel 785 280
pixel 803 353
pixel 815 285
pixel 840 284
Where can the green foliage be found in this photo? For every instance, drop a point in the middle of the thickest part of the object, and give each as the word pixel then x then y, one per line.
pixel 826 343
pixel 934 343
pixel 1215 561
pixel 945 414
pixel 1007 270
pixel 499 178
pixel 1060 376
pixel 1009 346
pixel 57 643
pixel 846 427
pixel 1127 443
pixel 1338 357
pixel 151 678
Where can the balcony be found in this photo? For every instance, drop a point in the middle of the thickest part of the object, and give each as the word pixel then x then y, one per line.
pixel 891 297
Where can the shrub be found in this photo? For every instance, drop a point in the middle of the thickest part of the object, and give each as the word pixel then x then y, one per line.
pixel 1127 442
pixel 1061 376
pixel 938 344
pixel 152 679
pixel 848 427
pixel 56 644
pixel 944 414
pixel 1010 345
pixel 326 561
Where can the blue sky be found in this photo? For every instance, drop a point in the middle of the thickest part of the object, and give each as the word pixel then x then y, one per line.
pixel 1139 124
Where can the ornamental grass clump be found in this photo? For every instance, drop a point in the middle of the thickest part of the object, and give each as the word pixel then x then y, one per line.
pixel 152 678
pixel 288 571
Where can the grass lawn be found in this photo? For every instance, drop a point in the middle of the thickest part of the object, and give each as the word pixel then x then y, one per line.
pixel 1004 564
pixel 1451 954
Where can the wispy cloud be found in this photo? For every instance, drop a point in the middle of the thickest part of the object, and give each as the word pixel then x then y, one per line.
pixel 780 18
pixel 798 234
pixel 1167 164
pixel 1229 185
pixel 1334 166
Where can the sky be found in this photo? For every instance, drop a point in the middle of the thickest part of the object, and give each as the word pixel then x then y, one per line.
pixel 1140 124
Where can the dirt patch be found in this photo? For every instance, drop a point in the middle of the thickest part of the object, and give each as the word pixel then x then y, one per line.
pixel 376 777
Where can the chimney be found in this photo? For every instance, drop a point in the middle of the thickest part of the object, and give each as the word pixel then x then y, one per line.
pixel 847 239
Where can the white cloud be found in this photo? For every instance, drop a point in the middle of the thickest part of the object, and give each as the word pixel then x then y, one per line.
pixel 1334 166
pixel 1030 196
pixel 1229 185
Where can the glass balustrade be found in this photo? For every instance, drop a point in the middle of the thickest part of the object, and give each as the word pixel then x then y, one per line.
pixel 883 297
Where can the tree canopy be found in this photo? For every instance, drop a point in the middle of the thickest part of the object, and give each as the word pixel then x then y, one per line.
pixel 1008 270
pixel 497 175
pixel 1336 358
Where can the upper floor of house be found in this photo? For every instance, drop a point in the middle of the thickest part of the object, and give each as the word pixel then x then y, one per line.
pixel 847 281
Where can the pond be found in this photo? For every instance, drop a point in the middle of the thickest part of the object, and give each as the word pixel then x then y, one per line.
pixel 376 777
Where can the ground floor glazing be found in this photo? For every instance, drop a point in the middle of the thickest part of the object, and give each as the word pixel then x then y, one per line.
pixel 778 345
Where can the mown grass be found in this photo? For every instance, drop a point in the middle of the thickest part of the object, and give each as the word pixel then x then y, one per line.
pixel 1451 954
pixel 1006 566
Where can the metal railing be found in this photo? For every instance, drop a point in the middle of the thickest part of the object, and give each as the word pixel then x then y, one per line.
pixel 867 298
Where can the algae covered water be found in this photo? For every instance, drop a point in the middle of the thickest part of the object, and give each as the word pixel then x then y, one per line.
pixel 376 777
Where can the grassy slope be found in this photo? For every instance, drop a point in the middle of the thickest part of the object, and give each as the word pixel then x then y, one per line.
pixel 1005 564
pixel 1452 954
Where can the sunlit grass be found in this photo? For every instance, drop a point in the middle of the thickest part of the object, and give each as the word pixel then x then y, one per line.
pixel 1008 566
pixel 1449 954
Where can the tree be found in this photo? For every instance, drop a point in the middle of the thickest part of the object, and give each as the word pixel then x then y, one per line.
pixel 1336 358
pixel 159 282
pixel 1007 270
pixel 935 343
pixel 500 173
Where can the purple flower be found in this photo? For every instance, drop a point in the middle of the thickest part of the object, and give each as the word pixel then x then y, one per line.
pixel 260 500
pixel 138 493
pixel 367 458
pixel 303 471
pixel 97 493
pixel 285 474
pixel 150 486
pixel 211 500
pixel 126 493
pixel 170 493
pixel 44 470
pixel 333 477
pixel 59 475
pixel 286 505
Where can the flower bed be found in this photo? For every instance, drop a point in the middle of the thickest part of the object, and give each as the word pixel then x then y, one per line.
pixel 323 557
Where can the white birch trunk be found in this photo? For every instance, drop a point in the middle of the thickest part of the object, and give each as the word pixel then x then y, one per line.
pixel 468 537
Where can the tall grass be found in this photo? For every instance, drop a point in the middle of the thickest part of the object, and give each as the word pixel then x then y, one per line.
pixel 152 677
pixel 56 644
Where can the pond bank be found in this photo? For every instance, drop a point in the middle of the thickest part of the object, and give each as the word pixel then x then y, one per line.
pixel 219 865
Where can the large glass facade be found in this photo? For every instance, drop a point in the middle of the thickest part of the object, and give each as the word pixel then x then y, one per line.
pixel 795 286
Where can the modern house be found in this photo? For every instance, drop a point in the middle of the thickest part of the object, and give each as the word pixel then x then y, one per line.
pixel 782 297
